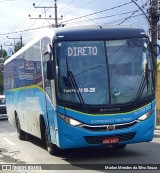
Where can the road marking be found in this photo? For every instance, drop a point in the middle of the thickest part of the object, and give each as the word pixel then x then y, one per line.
pixel 8 141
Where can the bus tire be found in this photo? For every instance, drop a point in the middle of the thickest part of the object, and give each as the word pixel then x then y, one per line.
pixel 21 134
pixel 119 147
pixel 53 149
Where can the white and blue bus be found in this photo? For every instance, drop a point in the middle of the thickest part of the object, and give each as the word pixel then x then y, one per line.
pixel 83 87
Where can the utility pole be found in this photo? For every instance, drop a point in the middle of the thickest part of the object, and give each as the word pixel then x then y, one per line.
pixel 152 21
pixel 9 45
pixel 20 38
pixel 21 41
pixel 48 18
pixel 154 16
pixel 56 19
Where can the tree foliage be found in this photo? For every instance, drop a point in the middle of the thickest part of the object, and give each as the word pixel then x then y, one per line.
pixel 3 53
pixel 18 46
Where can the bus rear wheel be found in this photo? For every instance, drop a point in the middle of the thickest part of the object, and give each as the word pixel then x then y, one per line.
pixel 119 147
pixel 21 134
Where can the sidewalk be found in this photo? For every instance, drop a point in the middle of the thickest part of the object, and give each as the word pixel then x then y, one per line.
pixel 156 137
pixel 157 132
pixel 157 120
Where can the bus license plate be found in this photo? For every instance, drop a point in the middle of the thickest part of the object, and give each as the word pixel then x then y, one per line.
pixel 110 140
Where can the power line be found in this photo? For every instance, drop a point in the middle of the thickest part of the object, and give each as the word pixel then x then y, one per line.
pixel 26 30
pixel 48 7
pixel 103 17
pixel 34 29
pixel 21 25
pixel 41 15
pixel 140 8
pixel 128 17
pixel 136 23
pixel 80 7
pixel 67 5
pixel 74 19
pixel 98 12
pixel 134 13
pixel 117 20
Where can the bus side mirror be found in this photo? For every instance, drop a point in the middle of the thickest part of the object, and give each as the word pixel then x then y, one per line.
pixel 50 65
pixel 50 70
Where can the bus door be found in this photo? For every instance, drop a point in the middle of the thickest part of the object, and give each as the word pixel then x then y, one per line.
pixel 50 108
pixel 49 88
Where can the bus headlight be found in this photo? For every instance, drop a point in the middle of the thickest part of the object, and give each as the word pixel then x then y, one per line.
pixel 69 121
pixel 146 115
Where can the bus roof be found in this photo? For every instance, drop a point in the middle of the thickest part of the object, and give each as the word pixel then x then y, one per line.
pixel 97 32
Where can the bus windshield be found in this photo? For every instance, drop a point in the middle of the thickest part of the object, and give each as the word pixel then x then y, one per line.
pixel 104 72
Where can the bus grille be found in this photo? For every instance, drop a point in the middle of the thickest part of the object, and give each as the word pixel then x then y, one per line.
pixel 105 127
pixel 98 139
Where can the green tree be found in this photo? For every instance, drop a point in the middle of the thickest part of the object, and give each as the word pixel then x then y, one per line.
pixel 3 53
pixel 18 46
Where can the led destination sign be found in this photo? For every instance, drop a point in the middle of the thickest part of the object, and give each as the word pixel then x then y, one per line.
pixel 83 51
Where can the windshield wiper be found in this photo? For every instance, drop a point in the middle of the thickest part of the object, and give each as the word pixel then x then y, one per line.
pixel 75 86
pixel 144 82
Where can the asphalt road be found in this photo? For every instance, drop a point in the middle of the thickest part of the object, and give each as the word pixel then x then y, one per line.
pixel 14 151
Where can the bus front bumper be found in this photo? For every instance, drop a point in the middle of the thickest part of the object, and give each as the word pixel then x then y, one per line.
pixel 77 137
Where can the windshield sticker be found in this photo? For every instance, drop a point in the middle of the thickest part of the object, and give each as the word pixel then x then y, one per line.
pixel 81 90
pixel 82 51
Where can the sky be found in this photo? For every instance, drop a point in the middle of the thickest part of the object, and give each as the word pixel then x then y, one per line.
pixel 15 20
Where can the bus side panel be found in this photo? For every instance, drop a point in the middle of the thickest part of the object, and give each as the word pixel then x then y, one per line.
pixel 23 88
pixel 34 107
pixel 29 104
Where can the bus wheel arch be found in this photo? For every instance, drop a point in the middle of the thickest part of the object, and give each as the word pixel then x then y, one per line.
pixel 51 148
pixel 42 128
pixel 21 134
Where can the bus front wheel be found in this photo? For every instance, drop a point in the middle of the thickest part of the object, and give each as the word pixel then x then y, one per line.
pixel 53 149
